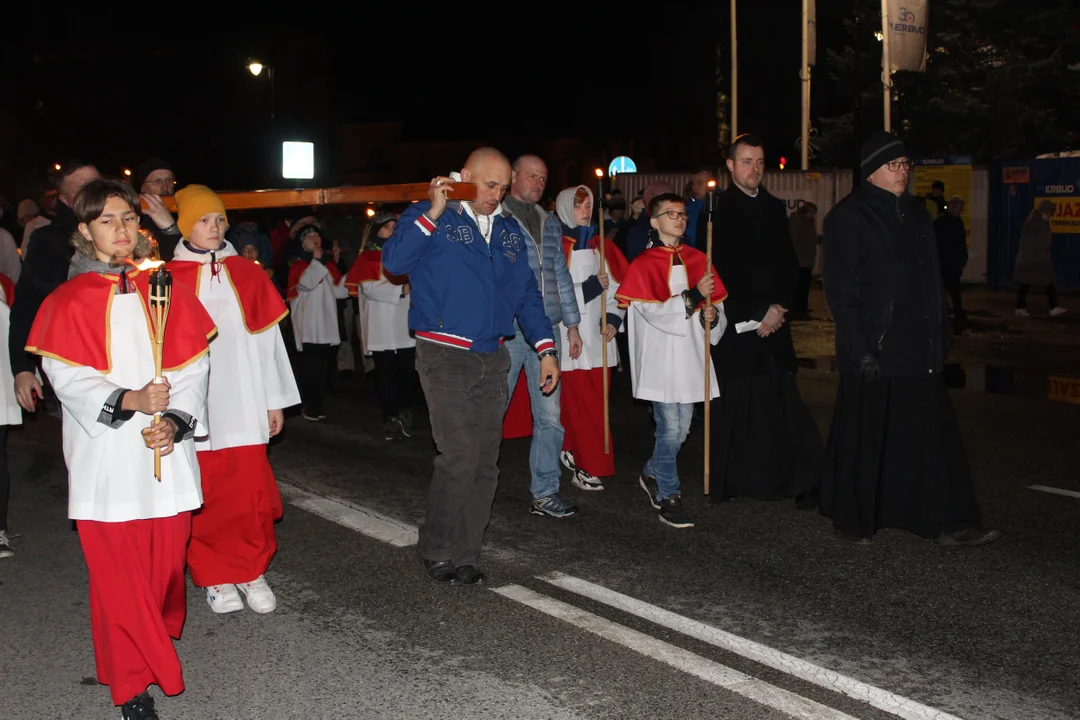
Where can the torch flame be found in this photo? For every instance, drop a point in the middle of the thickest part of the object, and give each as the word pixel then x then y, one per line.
pixel 599 173
pixel 149 264
pixel 712 184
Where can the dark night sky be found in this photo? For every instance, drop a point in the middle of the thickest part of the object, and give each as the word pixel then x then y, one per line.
pixel 181 90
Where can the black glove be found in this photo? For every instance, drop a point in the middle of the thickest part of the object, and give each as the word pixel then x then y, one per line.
pixel 870 368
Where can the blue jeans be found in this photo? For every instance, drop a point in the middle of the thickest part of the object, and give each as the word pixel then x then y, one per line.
pixel 672 427
pixel 547 436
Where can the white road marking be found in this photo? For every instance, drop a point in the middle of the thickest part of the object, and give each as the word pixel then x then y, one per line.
pixel 1054 490
pixel 354 517
pixel 759 691
pixel 789 664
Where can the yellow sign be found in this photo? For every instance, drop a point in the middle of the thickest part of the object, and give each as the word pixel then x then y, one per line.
pixel 1066 217
pixel 957 179
pixel 1063 389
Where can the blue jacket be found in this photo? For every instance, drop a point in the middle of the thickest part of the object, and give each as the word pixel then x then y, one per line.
pixel 549 268
pixel 466 293
pixel 637 240
pixel 693 212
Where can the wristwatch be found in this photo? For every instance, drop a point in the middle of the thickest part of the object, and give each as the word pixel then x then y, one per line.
pixel 550 352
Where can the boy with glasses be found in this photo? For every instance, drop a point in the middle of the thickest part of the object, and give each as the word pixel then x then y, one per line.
pixel 665 288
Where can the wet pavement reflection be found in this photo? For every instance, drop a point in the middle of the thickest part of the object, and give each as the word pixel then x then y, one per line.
pixel 990 379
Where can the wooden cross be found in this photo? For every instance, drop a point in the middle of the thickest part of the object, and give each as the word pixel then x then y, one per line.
pixel 261 199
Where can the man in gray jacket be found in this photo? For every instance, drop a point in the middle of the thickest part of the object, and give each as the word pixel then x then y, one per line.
pixel 543 235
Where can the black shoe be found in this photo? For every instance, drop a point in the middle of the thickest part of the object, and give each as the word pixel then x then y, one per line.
pixel 672 513
pixel 970 537
pixel 392 429
pixel 648 484
pixel 470 575
pixel 140 707
pixel 441 571
pixel 405 423
pixel 853 539
pixel 808 500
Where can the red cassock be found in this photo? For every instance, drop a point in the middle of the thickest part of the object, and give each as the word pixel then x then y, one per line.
pixel 232 535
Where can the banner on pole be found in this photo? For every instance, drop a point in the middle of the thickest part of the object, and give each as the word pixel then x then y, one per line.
pixel 906 24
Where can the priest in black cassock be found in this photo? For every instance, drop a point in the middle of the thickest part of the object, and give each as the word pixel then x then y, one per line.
pixel 764 441
pixel 895 458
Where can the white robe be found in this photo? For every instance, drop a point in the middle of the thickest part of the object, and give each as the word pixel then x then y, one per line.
pixel 314 310
pixel 667 349
pixel 249 374
pixel 10 412
pixel 111 471
pixel 384 316
pixel 583 265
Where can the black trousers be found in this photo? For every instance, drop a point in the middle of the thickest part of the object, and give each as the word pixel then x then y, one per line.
pixel 802 293
pixel 1022 293
pixel 952 286
pixel 396 381
pixel 466 396
pixel 314 373
pixel 5 478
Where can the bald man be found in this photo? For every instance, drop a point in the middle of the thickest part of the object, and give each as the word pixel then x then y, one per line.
pixel 470 279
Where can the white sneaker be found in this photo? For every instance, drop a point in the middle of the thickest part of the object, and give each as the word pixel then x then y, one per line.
pixel 224 599
pixel 585 481
pixel 1021 312
pixel 567 459
pixel 260 597
pixel 1058 311
pixel 5 545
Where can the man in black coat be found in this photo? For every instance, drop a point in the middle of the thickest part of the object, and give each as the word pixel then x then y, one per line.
pixel 951 236
pixel 44 268
pixel 155 180
pixel 765 443
pixel 895 457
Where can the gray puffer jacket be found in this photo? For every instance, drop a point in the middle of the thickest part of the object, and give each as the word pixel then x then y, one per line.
pixel 548 264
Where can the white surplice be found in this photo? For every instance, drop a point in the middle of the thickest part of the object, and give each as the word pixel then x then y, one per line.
pixel 667 349
pixel 250 374
pixel 384 316
pixel 10 412
pixel 584 264
pixel 110 470
pixel 314 309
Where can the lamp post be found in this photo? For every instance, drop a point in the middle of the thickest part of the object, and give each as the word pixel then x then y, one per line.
pixel 256 68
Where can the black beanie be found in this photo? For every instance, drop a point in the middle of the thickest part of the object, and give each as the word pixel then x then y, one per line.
pixel 381 218
pixel 148 166
pixel 881 147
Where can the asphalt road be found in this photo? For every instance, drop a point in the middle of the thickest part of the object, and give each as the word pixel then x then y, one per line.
pixel 758 612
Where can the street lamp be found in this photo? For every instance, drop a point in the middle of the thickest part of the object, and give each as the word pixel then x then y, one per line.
pixel 256 68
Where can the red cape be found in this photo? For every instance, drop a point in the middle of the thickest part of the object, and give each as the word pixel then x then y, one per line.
pixel 616 262
pixel 261 305
pixel 72 325
pixel 648 277
pixel 297 269
pixel 368 268
pixel 9 289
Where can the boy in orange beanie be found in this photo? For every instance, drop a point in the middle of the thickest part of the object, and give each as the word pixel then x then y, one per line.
pixel 251 382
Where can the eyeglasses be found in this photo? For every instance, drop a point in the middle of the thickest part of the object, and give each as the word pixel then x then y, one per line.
pixel 673 214
pixel 897 164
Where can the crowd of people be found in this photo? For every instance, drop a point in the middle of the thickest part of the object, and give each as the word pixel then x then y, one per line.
pixel 448 303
